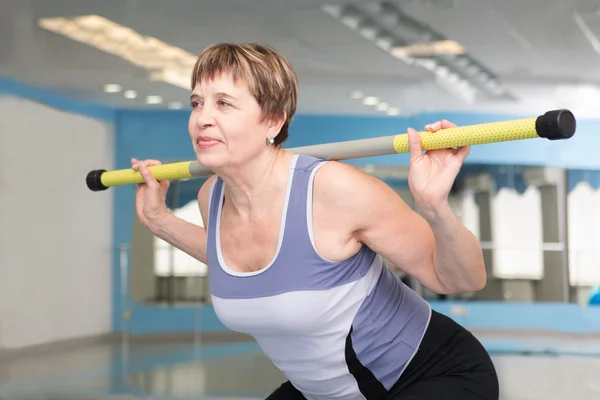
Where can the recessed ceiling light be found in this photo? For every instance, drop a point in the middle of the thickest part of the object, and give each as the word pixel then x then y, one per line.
pixel 153 100
pixel 333 10
pixel 356 94
pixel 130 94
pixel 393 111
pixel 112 88
pixel 175 105
pixel 370 100
pixel 382 106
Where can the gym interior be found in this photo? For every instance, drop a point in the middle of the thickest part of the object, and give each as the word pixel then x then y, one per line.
pixel 125 315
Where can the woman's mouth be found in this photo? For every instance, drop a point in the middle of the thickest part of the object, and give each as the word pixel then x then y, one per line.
pixel 206 142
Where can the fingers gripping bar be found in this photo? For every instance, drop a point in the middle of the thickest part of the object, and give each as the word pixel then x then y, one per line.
pixel 553 125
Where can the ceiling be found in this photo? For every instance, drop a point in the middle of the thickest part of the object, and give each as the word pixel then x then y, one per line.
pixel 546 53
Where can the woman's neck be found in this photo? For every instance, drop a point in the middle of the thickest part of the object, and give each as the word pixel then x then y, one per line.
pixel 251 190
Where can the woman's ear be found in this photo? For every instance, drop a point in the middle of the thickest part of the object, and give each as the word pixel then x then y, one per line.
pixel 275 124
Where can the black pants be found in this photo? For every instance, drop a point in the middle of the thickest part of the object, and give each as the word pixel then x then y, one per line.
pixel 451 364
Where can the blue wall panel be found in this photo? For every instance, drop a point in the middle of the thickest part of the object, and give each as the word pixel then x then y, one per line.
pixel 11 87
pixel 568 318
pixel 496 316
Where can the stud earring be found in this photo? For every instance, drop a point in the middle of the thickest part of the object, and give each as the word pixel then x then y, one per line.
pixel 270 140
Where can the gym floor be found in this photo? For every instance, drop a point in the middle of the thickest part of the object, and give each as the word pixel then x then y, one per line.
pixel 548 367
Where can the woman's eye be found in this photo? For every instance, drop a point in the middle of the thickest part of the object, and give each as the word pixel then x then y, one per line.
pixel 223 103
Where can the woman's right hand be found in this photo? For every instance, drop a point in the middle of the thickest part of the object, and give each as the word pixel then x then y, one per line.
pixel 150 198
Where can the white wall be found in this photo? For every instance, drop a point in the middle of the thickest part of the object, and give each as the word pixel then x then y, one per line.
pixel 55 234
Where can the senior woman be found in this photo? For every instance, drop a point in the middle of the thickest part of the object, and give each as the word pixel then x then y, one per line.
pixel 295 246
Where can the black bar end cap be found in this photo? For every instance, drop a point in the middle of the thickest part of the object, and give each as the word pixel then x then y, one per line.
pixel 556 125
pixel 94 181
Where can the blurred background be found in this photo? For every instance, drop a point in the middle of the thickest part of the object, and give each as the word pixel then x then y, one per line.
pixel 94 307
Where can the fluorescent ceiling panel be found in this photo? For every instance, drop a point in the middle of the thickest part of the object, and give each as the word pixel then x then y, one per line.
pixel 165 62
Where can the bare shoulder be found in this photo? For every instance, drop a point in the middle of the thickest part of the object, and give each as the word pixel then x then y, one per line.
pixel 203 197
pixel 352 208
pixel 348 190
pixel 334 176
pixel 366 208
pixel 362 209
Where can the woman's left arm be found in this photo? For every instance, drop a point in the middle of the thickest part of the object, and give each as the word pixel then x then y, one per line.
pixel 434 246
pixel 457 256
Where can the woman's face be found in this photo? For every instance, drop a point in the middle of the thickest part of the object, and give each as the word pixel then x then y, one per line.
pixel 225 123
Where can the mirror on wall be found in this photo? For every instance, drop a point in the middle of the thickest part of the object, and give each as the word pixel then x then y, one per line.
pixel 538 228
pixel 161 273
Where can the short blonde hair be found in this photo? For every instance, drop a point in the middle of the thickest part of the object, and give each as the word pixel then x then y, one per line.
pixel 269 76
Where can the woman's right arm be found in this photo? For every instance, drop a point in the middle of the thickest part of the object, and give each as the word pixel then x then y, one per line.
pixel 153 213
pixel 185 236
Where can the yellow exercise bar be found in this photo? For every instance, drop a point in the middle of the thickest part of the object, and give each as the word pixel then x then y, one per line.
pixel 553 125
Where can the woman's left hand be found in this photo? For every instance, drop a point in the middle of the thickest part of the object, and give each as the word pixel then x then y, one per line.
pixel 432 174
